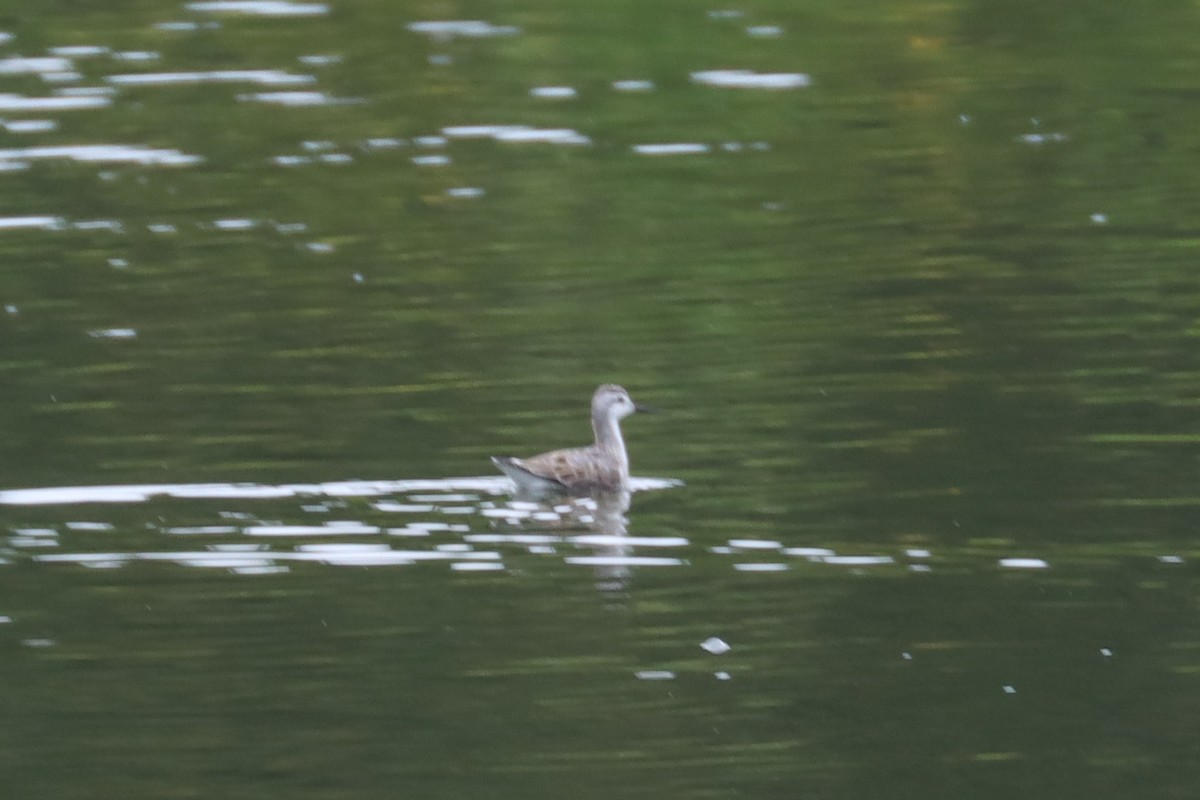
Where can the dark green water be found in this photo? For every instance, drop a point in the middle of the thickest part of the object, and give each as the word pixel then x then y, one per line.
pixel 934 311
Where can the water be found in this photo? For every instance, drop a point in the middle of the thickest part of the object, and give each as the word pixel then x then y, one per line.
pixel 915 284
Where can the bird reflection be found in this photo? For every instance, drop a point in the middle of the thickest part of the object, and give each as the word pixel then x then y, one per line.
pixel 598 521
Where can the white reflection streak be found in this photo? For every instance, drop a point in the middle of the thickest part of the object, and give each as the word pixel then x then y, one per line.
pixel 624 561
pixel 670 149
pixel 448 29
pixel 209 558
pixel 517 134
pixel 102 153
pixel 264 77
pixel 748 79
pixel 140 493
pixel 17 65
pixel 297 98
pixel 45 223
pixel 18 103
pixel 265 8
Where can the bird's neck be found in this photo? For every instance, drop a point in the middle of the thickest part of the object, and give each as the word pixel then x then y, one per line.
pixel 608 439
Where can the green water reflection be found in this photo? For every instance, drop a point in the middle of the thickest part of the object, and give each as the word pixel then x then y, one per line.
pixel 945 298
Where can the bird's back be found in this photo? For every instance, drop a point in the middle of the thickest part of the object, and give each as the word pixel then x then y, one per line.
pixel 573 468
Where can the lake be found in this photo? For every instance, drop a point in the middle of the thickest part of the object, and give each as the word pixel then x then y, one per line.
pixel 913 284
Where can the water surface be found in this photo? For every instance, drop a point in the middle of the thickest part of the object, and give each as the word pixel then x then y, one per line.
pixel 915 284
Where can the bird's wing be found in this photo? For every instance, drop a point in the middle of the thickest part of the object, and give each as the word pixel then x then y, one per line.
pixel 577 466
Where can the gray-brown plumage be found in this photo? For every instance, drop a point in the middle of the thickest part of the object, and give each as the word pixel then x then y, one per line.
pixel 602 466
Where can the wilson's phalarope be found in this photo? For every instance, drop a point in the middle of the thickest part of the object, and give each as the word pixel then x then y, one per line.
pixel 603 466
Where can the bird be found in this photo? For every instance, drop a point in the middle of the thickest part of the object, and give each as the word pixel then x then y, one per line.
pixel 602 466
